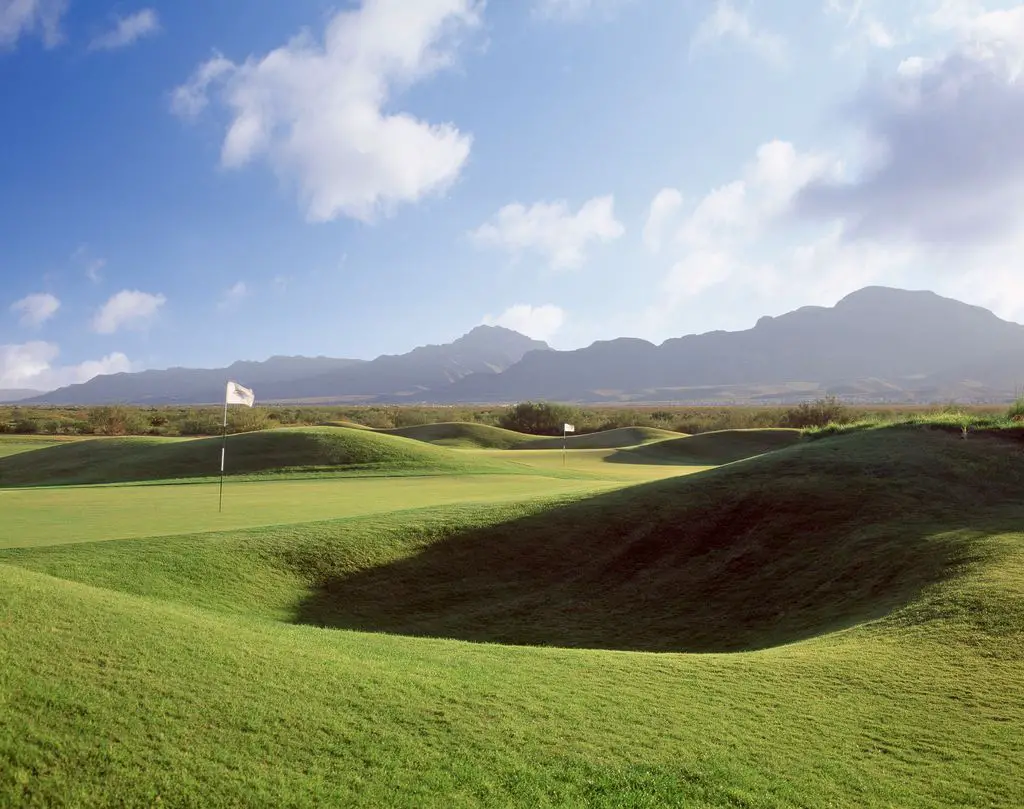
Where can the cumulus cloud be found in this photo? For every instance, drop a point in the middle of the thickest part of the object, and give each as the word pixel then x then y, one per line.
pixel 23 17
pixel 538 322
pixel 36 309
pixel 129 309
pixel 552 230
pixel 726 22
pixel 31 366
pixel 319 110
pixel 948 159
pixel 128 30
pixel 664 208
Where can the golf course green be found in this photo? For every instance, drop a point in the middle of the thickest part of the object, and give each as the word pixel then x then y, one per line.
pixel 458 617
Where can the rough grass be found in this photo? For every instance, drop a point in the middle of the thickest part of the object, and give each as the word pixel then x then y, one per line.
pixel 171 670
pixel 285 451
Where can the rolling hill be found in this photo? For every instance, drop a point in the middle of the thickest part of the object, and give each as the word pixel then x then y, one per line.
pixel 876 593
pixel 271 452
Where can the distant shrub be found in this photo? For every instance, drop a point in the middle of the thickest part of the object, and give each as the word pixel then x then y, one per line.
pixel 200 422
pixel 819 413
pixel 407 417
pixel 538 418
pixel 116 420
pixel 25 426
pixel 1016 411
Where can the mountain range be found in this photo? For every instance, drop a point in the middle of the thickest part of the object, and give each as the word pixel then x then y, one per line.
pixel 877 344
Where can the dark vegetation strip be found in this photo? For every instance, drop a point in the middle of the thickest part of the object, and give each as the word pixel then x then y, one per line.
pixel 535 418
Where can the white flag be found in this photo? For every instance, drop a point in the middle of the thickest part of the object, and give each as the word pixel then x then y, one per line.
pixel 239 395
pixel 568 428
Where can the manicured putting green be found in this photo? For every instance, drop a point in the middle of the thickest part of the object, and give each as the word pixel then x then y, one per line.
pixel 87 514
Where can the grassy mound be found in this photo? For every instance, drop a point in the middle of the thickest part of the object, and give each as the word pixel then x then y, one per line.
pixel 783 547
pixel 606 439
pixel 130 679
pixel 710 449
pixel 293 450
pixel 462 434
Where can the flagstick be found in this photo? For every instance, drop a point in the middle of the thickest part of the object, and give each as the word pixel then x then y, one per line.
pixel 223 452
pixel 563 444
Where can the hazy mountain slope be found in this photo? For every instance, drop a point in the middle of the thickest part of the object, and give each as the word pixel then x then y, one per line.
pixel 485 349
pixel 888 341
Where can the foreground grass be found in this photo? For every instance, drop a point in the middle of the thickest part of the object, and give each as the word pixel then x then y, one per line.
pixel 170 669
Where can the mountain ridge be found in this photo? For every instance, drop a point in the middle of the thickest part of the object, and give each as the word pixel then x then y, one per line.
pixel 875 344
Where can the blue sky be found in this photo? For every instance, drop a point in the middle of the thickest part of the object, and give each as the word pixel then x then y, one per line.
pixel 191 183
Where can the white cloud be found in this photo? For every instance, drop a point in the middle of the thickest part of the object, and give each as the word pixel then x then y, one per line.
pixel 233 296
pixel 316 110
pixel 538 322
pixel 92 269
pixel 127 309
pixel 863 22
pixel 128 30
pixel 573 10
pixel 948 166
pixel 30 365
pixel 22 17
pixel 552 230
pixel 36 309
pixel 664 208
pixel 728 22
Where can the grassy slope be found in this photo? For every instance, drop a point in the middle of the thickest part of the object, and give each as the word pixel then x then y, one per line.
pixel 710 449
pixel 16 444
pixel 607 439
pixel 461 434
pixel 481 436
pixel 114 697
pixel 114 460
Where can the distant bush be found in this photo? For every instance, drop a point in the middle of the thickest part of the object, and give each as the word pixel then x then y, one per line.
pixel 819 413
pixel 538 418
pixel 1016 411
pixel 200 422
pixel 116 420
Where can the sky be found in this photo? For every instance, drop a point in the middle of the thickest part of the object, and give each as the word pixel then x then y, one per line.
pixel 190 183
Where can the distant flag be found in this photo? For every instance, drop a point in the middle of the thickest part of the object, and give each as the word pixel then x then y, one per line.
pixel 236 394
pixel 239 395
pixel 568 428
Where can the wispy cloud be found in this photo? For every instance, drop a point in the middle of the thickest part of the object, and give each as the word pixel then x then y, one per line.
pixel 128 30
pixel 233 296
pixel 552 230
pixel 726 22
pixel 538 322
pixel 130 309
pixel 36 309
pixel 20 18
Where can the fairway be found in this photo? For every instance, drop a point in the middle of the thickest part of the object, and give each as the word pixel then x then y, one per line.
pixel 88 514
pixel 837 622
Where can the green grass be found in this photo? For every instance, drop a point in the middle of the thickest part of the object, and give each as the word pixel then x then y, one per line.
pixel 881 586
pixel 272 452
pixel 461 434
pixel 606 439
pixel 710 449
pixel 482 436
pixel 16 444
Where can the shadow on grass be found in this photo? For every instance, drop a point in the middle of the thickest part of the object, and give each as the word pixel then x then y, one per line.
pixel 777 549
